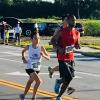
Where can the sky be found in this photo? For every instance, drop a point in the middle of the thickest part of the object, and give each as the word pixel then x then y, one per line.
pixel 47 0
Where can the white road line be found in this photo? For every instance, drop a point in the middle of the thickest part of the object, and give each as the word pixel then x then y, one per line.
pixel 5 56
pixel 84 73
pixel 19 54
pixel 17 73
pixel 44 66
pixel 10 60
pixel 89 74
pixel 12 53
pixel 11 47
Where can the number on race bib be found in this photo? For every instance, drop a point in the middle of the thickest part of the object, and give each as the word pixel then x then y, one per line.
pixel 69 49
pixel 36 65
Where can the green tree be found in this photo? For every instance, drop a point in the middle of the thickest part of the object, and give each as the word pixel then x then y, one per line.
pixel 8 2
pixel 19 1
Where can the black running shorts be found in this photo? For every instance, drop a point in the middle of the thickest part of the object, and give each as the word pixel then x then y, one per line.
pixel 66 70
pixel 29 71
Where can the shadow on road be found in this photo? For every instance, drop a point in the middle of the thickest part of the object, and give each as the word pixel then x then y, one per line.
pixel 92 59
pixel 89 90
pixel 16 97
pixel 79 56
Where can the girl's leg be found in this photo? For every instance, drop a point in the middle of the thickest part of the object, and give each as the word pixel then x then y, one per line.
pixel 28 85
pixel 37 84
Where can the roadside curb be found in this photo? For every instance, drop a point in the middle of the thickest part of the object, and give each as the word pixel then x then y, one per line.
pixel 53 55
pixel 88 54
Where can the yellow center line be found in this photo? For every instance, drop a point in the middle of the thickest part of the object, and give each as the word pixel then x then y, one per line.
pixel 39 92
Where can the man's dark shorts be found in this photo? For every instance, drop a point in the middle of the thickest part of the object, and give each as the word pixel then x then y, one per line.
pixel 66 70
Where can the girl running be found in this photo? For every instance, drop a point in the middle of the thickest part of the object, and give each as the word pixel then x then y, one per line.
pixel 35 53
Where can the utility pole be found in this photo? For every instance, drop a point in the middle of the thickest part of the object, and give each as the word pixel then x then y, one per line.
pixel 78 8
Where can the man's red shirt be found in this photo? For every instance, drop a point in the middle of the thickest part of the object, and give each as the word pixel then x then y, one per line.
pixel 67 37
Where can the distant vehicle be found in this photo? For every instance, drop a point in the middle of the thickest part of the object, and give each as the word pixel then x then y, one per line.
pixel 12 21
pixel 47 28
pixel 80 28
pixel 27 28
pixel 10 30
pixel 11 34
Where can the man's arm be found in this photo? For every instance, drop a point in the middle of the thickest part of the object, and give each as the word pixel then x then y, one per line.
pixel 20 30
pixel 54 41
pixel 77 44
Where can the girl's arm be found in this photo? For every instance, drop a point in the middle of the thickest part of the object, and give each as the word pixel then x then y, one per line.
pixel 44 53
pixel 23 54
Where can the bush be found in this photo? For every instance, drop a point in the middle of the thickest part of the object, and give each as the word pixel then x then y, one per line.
pixel 96 14
pixel 91 27
pixel 28 20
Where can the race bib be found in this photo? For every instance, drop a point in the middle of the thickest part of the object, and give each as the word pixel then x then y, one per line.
pixel 35 65
pixel 69 49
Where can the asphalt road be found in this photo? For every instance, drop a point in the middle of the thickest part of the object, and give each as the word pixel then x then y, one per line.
pixel 86 82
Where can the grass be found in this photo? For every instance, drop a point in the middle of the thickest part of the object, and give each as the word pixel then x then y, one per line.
pixel 95 47
pixel 57 20
pixel 48 47
pixel 28 42
pixel 92 27
pixel 39 20
pixel 94 52
pixel 93 42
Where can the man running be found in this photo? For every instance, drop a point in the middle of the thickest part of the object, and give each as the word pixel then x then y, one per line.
pixel 64 41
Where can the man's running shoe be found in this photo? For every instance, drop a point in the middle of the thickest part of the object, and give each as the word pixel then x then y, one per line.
pixel 70 90
pixel 57 86
pixel 22 97
pixel 50 72
pixel 58 98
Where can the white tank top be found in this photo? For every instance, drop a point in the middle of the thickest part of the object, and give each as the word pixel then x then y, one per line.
pixel 34 58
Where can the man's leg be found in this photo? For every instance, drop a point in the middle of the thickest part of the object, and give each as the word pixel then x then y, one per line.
pixel 4 37
pixel 18 39
pixel 63 88
pixel 71 65
pixel 15 37
pixel 66 78
pixel 52 70
pixel 57 85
